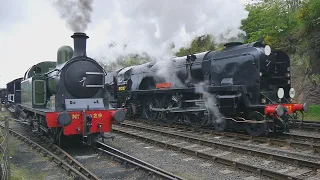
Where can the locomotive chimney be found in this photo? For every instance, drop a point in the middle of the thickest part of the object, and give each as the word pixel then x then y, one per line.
pixel 80 43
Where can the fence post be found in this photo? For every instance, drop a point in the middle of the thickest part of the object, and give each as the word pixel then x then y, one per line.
pixel 7 152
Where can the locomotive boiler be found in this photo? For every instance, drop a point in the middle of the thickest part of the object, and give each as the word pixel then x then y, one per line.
pixel 68 97
pixel 242 87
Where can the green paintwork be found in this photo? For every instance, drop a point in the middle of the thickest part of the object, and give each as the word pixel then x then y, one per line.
pixel 64 54
pixel 39 92
pixel 45 67
pixel 33 92
pixel 52 86
pixel 35 88
pixel 26 92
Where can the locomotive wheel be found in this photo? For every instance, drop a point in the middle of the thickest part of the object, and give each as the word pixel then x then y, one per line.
pixel 148 113
pixel 170 117
pixel 184 118
pixel 198 120
pixel 256 129
pixel 167 102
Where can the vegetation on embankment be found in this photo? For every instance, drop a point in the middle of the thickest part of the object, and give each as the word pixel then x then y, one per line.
pixel 313 114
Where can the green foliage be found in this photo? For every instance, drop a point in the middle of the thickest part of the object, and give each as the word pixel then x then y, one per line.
pixel 126 61
pixel 199 44
pixel 290 25
pixel 309 14
pixel 313 114
pixel 271 21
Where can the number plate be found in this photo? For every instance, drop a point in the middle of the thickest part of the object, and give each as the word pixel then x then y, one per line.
pixel 121 88
pixel 289 108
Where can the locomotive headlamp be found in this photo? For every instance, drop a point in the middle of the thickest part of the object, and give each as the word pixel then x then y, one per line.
pixel 292 92
pixel 279 110
pixel 263 100
pixel 305 107
pixel 267 50
pixel 280 93
pixel 287 74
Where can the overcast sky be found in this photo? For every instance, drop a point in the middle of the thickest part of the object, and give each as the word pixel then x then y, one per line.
pixel 31 31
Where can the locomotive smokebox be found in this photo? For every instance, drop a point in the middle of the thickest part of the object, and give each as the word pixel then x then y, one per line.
pixel 80 44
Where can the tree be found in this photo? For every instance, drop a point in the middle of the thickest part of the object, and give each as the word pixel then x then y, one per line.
pixel 271 21
pixel 199 44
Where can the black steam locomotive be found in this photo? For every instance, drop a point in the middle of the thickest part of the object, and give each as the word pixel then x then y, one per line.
pixel 242 87
pixel 65 98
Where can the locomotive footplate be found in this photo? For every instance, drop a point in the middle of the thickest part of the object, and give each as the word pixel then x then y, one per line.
pixel 178 110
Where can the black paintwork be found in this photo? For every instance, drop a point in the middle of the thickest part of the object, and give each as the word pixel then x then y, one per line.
pixel 14 87
pixel 69 76
pixel 239 76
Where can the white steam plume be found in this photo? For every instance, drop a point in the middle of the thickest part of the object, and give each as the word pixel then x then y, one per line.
pixel 168 73
pixel 152 26
pixel 210 101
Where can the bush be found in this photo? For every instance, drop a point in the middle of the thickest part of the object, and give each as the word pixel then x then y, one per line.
pixel 313 114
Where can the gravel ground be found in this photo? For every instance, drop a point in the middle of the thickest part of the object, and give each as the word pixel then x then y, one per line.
pixel 104 167
pixel 27 164
pixel 305 132
pixel 181 164
pixel 281 167
pixel 304 153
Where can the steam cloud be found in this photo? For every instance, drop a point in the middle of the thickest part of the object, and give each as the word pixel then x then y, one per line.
pixel 144 26
pixel 210 101
pixel 77 13
pixel 166 71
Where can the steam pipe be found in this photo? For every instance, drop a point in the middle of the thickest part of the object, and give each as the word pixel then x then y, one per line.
pixel 80 43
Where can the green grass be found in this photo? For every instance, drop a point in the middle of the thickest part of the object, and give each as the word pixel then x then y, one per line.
pixel 313 114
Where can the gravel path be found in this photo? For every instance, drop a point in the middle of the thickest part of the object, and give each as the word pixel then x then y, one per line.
pixel 104 167
pixel 27 164
pixel 184 165
pixel 304 153
pixel 305 132
pixel 259 162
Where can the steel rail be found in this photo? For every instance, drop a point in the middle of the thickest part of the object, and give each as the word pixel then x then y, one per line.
pixel 214 158
pixel 68 162
pixel 123 157
pixel 245 136
pixel 300 162
pixel 62 163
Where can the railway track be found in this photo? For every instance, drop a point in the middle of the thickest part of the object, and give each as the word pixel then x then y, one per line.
pixel 307 125
pixel 225 153
pixel 127 159
pixel 70 164
pixel 295 140
pixel 56 154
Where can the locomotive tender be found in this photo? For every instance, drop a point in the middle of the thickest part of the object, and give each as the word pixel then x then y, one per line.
pixel 242 87
pixel 68 98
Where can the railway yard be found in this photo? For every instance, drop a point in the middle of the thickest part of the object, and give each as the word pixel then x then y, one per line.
pixel 161 90
pixel 144 150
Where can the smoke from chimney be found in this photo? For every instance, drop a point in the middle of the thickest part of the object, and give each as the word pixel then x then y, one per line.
pixel 77 13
